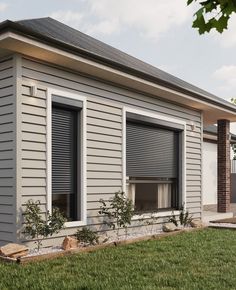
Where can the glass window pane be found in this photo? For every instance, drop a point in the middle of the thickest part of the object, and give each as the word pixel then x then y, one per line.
pixel 164 195
pixel 150 195
pixel 65 203
pixel 146 196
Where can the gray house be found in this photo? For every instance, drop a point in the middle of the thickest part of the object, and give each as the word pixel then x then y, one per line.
pixel 80 120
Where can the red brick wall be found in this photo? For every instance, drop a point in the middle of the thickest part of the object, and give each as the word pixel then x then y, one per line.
pixel 223 166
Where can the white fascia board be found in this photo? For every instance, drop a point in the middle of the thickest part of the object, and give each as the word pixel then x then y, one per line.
pixel 8 40
pixel 34 48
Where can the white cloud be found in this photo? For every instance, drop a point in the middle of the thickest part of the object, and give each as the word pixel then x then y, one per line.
pixel 106 27
pixel 68 17
pixel 3 6
pixel 85 23
pixel 151 18
pixel 227 77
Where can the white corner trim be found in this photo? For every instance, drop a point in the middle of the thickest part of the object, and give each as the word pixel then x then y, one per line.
pixel 124 149
pixel 202 141
pixel 83 177
pixel 162 117
pixel 184 174
pixel 49 149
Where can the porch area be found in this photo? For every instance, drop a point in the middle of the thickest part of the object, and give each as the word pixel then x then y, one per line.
pixel 217 177
pixel 210 213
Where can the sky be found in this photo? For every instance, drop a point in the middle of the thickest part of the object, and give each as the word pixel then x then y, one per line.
pixel 156 31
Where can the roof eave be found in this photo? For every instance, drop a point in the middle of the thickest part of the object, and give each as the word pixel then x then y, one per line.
pixel 9 26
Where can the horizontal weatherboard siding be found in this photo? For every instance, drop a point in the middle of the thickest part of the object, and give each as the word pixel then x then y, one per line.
pixel 104 136
pixel 7 151
pixel 33 147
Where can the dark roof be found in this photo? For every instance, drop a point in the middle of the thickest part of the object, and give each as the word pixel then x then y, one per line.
pixel 65 37
pixel 212 129
pixel 59 31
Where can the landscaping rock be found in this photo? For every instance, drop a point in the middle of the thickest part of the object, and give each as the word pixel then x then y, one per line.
pixel 14 250
pixel 20 254
pixel 69 243
pixel 169 227
pixel 196 224
pixel 103 239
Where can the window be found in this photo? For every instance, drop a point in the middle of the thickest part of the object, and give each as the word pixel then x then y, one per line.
pixel 153 163
pixel 66 159
pixel 152 194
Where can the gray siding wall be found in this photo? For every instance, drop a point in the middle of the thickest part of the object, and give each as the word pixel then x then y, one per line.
pixel 7 151
pixel 104 136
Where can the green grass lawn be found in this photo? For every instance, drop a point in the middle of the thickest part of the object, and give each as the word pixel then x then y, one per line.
pixel 198 260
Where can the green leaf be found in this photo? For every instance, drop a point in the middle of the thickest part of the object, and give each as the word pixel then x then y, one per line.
pixel 210 7
pixel 199 22
pixel 223 10
pixel 220 24
pixel 190 1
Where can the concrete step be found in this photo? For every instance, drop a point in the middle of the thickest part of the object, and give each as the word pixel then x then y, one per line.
pixel 208 216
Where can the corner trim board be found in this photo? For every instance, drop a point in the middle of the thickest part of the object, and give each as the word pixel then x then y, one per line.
pixel 18 144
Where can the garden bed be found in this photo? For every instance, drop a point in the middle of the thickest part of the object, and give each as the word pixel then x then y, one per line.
pixel 48 254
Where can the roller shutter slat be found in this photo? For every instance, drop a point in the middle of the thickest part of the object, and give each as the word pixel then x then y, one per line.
pixel 151 151
pixel 63 151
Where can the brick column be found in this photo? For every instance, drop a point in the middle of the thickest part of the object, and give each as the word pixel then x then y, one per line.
pixel 223 166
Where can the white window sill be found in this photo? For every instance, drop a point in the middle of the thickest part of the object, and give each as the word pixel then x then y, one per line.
pixel 75 224
pixel 156 215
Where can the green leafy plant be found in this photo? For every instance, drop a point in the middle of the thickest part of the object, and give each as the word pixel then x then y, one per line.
pixel 118 212
pixel 173 220
pixel 184 218
pixel 213 14
pixel 87 236
pixel 39 226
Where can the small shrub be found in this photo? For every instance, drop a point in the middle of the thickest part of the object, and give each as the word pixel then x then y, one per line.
pixel 118 211
pixel 173 220
pixel 184 218
pixel 39 228
pixel 87 236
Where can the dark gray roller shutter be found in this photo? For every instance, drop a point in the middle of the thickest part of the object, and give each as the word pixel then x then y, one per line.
pixel 64 137
pixel 151 151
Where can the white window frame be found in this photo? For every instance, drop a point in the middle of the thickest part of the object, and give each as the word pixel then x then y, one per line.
pixel 83 159
pixel 162 117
